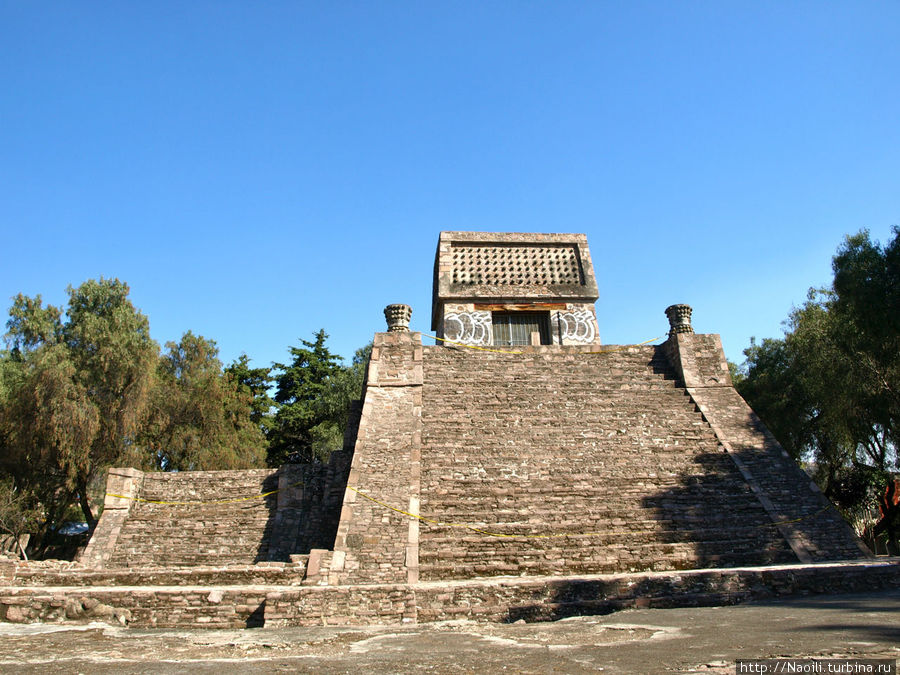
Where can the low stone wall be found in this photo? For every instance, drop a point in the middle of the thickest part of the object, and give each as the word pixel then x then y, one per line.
pixel 496 599
pixel 546 599
pixel 550 599
pixel 371 604
pixel 147 607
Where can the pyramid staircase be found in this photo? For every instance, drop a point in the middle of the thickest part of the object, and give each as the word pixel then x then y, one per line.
pixel 581 463
pixel 591 478
pixel 198 518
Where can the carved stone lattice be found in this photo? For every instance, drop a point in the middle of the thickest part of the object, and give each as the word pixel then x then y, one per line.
pixel 398 317
pixel 516 265
pixel 679 319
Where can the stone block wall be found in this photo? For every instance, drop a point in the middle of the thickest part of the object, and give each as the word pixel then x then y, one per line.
pixel 504 599
pixel 45 573
pixel 698 359
pixel 146 607
pixel 194 518
pixel 375 544
pixel 562 460
pixel 530 599
pixel 786 491
pixel 309 506
pixel 804 517
pixel 571 323
pixel 556 460
pixel 123 485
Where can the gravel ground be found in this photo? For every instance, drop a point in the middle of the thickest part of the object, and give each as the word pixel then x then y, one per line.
pixel 697 640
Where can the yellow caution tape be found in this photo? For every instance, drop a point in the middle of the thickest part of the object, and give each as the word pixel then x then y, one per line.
pixel 215 501
pixel 463 344
pixel 564 535
pixel 440 523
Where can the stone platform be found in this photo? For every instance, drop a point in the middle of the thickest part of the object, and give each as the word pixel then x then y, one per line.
pixel 276 595
pixel 520 470
pixel 559 480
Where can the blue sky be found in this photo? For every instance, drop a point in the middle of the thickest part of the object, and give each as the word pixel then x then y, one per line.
pixel 256 171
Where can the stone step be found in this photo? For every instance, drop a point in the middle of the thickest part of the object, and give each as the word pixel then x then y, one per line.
pixel 644 561
pixel 58 573
pixel 568 440
pixel 207 518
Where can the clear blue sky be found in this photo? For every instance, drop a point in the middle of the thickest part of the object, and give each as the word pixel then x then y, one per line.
pixel 258 170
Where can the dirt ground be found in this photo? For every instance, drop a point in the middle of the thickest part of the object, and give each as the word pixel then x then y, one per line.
pixel 697 640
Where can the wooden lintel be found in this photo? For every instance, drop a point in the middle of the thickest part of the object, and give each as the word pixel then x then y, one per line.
pixel 520 307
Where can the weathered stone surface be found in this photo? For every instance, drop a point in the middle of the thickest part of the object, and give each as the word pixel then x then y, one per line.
pixel 813 527
pixel 372 543
pixel 123 485
pixel 478 273
pixel 218 518
pixel 579 462
pixel 35 574
pixel 503 599
pixel 308 506
pixel 532 484
pixel 198 518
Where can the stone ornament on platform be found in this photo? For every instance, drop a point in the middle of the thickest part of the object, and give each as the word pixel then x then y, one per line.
pixel 398 317
pixel 679 319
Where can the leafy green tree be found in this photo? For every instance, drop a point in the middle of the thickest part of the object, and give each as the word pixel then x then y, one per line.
pixel 76 390
pixel 32 325
pixel 828 390
pixel 50 426
pixel 866 306
pixel 86 389
pixel 19 513
pixel 313 393
pixel 333 406
pixel 200 419
pixel 254 384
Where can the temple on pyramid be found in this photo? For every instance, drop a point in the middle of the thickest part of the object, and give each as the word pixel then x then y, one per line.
pixel 516 468
pixel 528 448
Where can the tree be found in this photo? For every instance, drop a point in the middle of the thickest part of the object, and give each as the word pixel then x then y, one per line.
pixel 866 306
pixel 86 389
pixel 78 392
pixel 200 419
pixel 49 426
pixel 19 514
pixel 333 405
pixel 314 394
pixel 254 384
pixel 828 390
